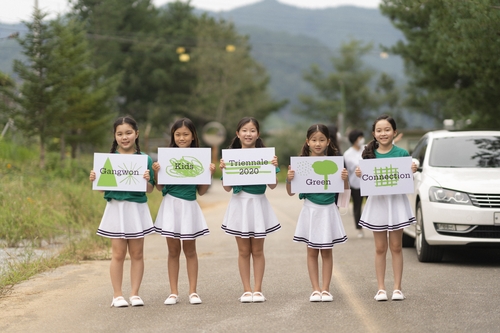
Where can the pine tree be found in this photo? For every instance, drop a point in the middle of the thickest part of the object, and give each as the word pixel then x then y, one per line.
pixel 34 114
pixel 82 96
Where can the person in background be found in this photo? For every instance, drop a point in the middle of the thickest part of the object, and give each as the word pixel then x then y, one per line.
pixel 352 156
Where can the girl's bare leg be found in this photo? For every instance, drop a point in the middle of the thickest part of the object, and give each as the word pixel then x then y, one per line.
pixel 118 253
pixel 189 248
pixel 174 253
pixel 396 247
pixel 244 252
pixel 313 267
pixel 259 261
pixel 327 268
pixel 136 251
pixel 380 257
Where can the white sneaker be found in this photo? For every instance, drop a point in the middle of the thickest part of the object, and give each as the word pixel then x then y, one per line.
pixel 246 297
pixel 381 296
pixel 315 297
pixel 257 297
pixel 397 295
pixel 171 299
pixel 136 301
pixel 119 302
pixel 360 233
pixel 326 296
pixel 194 298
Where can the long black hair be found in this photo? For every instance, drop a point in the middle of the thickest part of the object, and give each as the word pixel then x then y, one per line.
pixel 331 149
pixel 236 143
pixel 190 126
pixel 369 151
pixel 125 120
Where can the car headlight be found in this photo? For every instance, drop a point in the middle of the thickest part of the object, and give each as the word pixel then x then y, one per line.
pixel 438 194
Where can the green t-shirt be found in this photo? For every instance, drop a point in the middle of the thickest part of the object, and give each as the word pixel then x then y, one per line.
pixel 186 192
pixel 319 198
pixel 394 152
pixel 139 197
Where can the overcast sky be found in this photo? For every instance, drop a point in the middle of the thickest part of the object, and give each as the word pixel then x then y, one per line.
pixel 13 11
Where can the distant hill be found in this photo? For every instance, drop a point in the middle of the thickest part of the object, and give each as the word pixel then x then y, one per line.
pixel 330 26
pixel 9 48
pixel 287 40
pixel 286 57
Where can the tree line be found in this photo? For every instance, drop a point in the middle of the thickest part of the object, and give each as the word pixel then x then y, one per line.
pixel 114 57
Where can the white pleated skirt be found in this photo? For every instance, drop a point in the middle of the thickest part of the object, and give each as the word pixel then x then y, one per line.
pixel 181 219
pixel 125 219
pixel 320 226
pixel 249 215
pixel 387 213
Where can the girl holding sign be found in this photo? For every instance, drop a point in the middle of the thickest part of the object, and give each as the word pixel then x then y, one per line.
pixel 386 215
pixel 127 219
pixel 180 217
pixel 258 220
pixel 320 224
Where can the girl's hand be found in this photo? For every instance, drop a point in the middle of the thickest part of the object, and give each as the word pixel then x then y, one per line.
pixel 212 168
pixel 147 176
pixel 290 174
pixel 222 165
pixel 344 174
pixel 413 167
pixel 274 161
pixel 358 172
pixel 156 166
pixel 92 176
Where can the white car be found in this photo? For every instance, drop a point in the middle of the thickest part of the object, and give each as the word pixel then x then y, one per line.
pixel 457 192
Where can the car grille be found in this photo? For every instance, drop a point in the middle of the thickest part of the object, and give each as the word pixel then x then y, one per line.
pixel 485 200
pixel 480 231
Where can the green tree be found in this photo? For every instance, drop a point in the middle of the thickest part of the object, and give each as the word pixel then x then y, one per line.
pixel 230 84
pixel 82 96
pixel 451 54
pixel 34 111
pixel 116 30
pixel 159 84
pixel 348 86
pixel 7 84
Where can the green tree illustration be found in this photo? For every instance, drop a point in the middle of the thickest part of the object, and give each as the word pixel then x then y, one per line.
pixel 107 179
pixel 325 168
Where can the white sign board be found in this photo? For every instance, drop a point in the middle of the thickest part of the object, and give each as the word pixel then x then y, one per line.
pixel 184 166
pixel 383 176
pixel 317 174
pixel 249 166
pixel 120 172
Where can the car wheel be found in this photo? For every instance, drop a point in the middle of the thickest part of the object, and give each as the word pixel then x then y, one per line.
pixel 425 252
pixel 408 241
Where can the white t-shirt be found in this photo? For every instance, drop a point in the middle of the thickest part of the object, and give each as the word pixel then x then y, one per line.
pixel 351 160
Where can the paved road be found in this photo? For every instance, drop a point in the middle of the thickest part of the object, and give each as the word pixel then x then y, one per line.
pixel 461 294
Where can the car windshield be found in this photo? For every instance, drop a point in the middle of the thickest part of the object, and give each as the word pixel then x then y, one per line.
pixel 466 152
